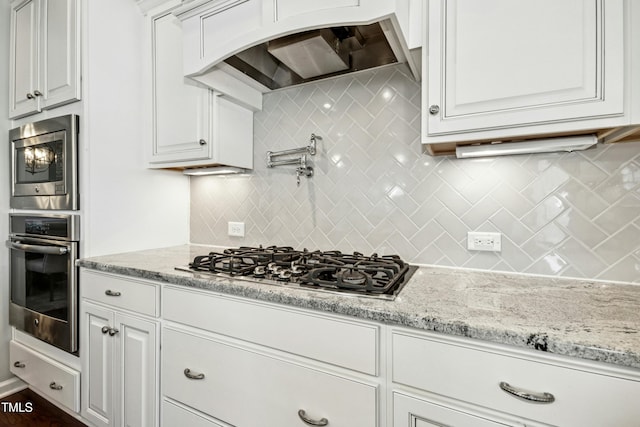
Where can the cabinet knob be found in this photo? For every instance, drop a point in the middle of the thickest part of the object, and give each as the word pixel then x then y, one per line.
pixel 202 142
pixel 113 331
pixel 105 329
pixel 19 364
pixel 37 93
pixel 54 386
pixel 30 96
pixel 303 416
pixel 434 109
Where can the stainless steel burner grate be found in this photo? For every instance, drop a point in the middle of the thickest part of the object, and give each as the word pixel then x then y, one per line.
pixel 331 271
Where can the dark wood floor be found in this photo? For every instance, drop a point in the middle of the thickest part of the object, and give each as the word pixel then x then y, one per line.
pixel 43 413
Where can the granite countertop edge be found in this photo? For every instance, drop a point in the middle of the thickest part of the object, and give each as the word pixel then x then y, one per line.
pixel 387 312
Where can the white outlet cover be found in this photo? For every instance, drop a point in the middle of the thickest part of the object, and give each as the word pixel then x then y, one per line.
pixel 235 229
pixel 480 241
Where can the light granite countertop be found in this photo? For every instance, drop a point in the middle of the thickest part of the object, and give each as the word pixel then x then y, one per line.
pixel 579 318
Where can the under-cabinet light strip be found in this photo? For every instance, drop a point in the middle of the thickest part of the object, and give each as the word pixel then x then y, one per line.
pixel 573 143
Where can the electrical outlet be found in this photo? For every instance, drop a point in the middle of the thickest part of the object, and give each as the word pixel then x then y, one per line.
pixel 236 229
pixel 478 241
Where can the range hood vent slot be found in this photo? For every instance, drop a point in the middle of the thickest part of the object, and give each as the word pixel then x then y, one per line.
pixel 311 54
pixel 317 54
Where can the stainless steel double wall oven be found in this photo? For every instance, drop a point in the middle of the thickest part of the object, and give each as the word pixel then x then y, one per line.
pixel 44 246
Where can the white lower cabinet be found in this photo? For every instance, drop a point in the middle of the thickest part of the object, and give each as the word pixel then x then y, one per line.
pixel 517 387
pixel 236 362
pixel 120 352
pixel 242 384
pixel 49 377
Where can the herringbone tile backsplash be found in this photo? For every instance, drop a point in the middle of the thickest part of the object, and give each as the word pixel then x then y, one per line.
pixel 570 214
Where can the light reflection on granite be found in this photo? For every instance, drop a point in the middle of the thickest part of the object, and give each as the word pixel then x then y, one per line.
pixel 589 320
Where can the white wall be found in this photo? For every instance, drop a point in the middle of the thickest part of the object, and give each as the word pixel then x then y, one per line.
pixel 127 206
pixel 5 330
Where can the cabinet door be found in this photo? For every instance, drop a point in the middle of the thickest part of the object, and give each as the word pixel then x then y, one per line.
pixel 59 77
pixel 97 365
pixel 412 412
pixel 23 59
pixel 233 133
pixel 502 64
pixel 181 110
pixel 136 376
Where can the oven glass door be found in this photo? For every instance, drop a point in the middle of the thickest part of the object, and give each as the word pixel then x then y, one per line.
pixel 43 276
pixel 40 160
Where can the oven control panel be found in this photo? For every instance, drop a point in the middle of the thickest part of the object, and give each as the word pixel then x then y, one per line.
pixel 58 226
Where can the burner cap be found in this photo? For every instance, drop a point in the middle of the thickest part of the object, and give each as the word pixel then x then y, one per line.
pixel 353 277
pixel 284 274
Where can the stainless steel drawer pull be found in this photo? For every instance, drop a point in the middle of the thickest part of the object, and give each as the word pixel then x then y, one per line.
pixel 110 293
pixel 303 416
pixel 19 364
pixel 188 374
pixel 54 386
pixel 527 395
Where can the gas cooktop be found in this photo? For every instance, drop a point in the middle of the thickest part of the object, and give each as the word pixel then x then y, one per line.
pixel 374 276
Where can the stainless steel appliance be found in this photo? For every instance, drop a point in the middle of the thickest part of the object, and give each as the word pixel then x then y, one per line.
pixel 43 277
pixel 375 276
pixel 44 164
pixel 317 54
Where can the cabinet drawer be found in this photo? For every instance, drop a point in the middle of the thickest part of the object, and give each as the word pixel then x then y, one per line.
pixel 121 292
pixel 246 388
pixel 51 378
pixel 329 339
pixel 411 412
pixel 177 415
pixel 473 375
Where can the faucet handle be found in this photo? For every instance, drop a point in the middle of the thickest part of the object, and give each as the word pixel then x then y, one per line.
pixel 303 171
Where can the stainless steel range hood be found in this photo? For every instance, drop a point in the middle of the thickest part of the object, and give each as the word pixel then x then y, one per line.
pixel 318 54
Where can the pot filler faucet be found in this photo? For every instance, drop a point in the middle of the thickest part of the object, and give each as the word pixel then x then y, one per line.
pixel 303 168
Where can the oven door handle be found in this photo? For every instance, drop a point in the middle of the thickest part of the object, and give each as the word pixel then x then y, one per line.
pixel 50 250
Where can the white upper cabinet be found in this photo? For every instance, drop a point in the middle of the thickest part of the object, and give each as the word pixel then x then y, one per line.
pixel 44 55
pixel 505 69
pixel 192 125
